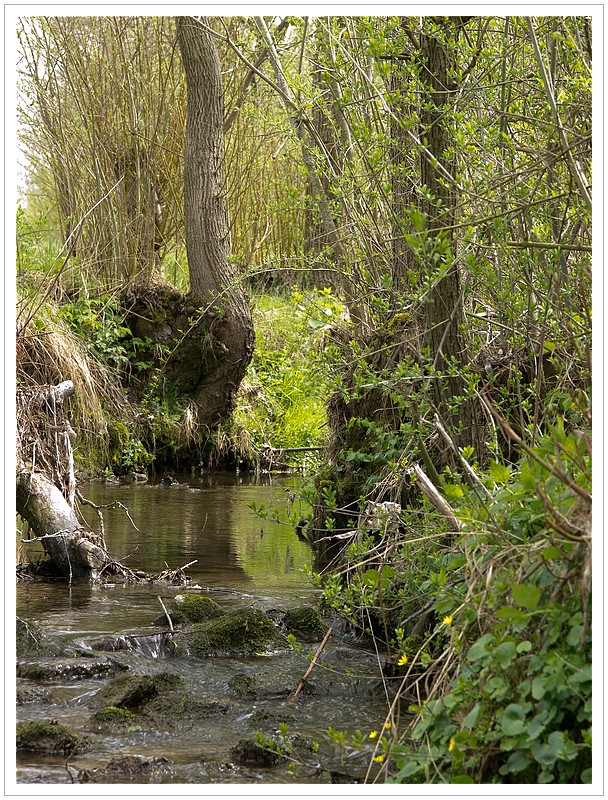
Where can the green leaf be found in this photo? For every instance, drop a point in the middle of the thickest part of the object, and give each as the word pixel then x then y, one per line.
pixel 539 688
pixel 546 753
pixel 499 472
pixel 526 595
pixel 551 553
pixel 461 779
pixel 509 614
pixel 471 718
pixel 505 654
pixel 371 577
pixel 453 491
pixel 517 762
pixel 512 720
pixel 480 648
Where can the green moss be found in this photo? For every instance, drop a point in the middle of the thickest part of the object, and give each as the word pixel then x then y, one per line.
pixel 305 622
pixel 195 608
pixel 243 685
pixel 242 631
pixel 112 714
pixel 49 737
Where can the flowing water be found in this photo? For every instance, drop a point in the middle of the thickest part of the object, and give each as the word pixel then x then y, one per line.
pixel 240 560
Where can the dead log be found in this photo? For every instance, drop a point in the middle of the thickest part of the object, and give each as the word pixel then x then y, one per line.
pixel 70 548
pixel 44 463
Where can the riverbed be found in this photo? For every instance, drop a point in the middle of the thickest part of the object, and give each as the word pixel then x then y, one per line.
pixel 240 560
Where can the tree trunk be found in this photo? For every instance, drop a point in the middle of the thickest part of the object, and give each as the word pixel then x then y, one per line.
pixel 213 279
pixel 444 310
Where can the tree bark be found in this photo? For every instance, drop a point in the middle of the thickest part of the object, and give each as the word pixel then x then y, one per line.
pixel 444 310
pixel 213 280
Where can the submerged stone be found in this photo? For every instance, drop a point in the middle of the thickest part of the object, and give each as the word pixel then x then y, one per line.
pixel 153 703
pixel 266 685
pixel 134 691
pixel 113 719
pixel 129 769
pixel 270 718
pixel 32 640
pixel 71 669
pixel 49 737
pixel 33 694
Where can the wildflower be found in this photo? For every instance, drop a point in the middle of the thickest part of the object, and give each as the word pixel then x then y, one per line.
pixel 448 620
pixel 451 745
pixel 402 661
pixel 387 726
pixel 373 734
pixel 379 759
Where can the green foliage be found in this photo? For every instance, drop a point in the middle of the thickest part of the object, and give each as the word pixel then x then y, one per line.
pixel 100 324
pixel 282 400
pixel 522 689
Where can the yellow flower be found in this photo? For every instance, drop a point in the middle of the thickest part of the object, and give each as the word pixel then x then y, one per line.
pixel 451 745
pixel 402 661
pixel 379 759
pixel 373 734
pixel 387 726
pixel 448 620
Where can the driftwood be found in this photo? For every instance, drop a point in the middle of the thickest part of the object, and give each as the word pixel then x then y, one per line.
pixel 44 463
pixel 72 550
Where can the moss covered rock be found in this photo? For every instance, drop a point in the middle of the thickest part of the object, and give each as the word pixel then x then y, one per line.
pixel 305 623
pixel 241 632
pixel 68 669
pixel 135 691
pixel 129 769
pixel 263 685
pixel 49 737
pixel 191 608
pixel 249 753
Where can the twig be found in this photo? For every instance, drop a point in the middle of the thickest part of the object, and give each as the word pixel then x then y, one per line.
pixel 311 666
pixel 550 466
pixel 169 620
pixel 465 464
pixel 427 488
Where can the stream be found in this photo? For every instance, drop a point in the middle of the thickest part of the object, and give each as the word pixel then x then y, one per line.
pixel 240 561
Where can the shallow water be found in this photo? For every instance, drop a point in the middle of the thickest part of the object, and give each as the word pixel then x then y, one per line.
pixel 241 560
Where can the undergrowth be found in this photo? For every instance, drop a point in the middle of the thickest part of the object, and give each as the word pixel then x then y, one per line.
pixel 282 401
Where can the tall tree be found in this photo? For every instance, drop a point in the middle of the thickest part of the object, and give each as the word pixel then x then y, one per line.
pixel 213 279
pixel 444 323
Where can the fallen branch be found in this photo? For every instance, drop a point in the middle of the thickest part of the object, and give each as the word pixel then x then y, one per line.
pixel 311 666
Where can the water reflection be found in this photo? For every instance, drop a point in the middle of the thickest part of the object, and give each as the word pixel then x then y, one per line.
pixel 206 519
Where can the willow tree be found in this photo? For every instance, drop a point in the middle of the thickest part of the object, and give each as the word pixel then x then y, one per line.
pixel 213 279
